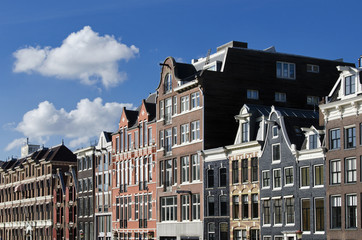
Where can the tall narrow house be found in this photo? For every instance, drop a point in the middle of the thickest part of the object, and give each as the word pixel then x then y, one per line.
pixel 134 181
pixel 342 119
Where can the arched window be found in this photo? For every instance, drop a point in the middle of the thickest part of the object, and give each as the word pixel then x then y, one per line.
pixel 168 83
pixel 210 178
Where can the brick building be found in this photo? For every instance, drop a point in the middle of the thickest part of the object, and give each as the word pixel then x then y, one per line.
pixel 38 197
pixel 134 181
pixel 342 119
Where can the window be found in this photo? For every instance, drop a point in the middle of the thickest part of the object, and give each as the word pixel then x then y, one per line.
pixel 254 234
pixel 174 105
pixel 285 70
pixel 319 214
pixel 336 212
pixel 280 97
pixel 162 109
pixel 244 170
pixel 235 207
pixel 168 208
pixel 318 175
pixel 266 179
pixel 289 206
pixel 184 133
pixel 312 68
pixel 235 172
pixel 288 176
pixel 305 215
pixel 185 207
pixel 185 103
pixel 254 206
pixel 211 231
pixel 185 164
pixel 168 83
pixel 313 141
pixel 351 211
pixel 224 230
pixel 174 135
pixel 254 169
pixel 175 171
pixel 335 139
pixel 335 171
pixel 312 100
pixel 168 165
pixel 350 85
pixel 223 205
pixel 275 131
pixel 196 206
pixel 168 110
pixel 245 206
pixel 245 132
pixel 350 137
pixel 223 176
pixel 211 205
pixel 195 100
pixel 150 141
pixel 239 234
pixel 276 152
pixel 195 167
pixel 277 211
pixel 210 178
pixel 277 178
pixel 252 94
pixel 168 140
pixel 266 211
pixel 195 130
pixel 305 179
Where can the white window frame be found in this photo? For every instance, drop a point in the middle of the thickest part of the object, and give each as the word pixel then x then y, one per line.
pixel 315 175
pixel 280 179
pixel 285 70
pixel 195 131
pixel 262 175
pixel 195 100
pixel 185 103
pixel 184 133
pixel 285 175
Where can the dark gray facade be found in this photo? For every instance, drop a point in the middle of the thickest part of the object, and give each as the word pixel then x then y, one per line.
pixel 292 188
pixel 216 192
pixel 85 190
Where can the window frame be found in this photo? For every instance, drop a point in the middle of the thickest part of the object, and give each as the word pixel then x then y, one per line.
pixel 286 183
pixel 276 157
pixel 285 70
pixel 350 137
pixel 252 94
pixel 277 177
pixel 334 140
pixel 280 97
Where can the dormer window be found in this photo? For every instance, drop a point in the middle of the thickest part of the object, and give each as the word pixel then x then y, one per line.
pixel 168 83
pixel 350 85
pixel 245 132
pixel 313 141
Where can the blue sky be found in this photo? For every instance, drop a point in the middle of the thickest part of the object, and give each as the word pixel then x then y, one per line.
pixel 51 90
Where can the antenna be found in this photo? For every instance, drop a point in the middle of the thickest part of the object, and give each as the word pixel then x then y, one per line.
pixel 207 61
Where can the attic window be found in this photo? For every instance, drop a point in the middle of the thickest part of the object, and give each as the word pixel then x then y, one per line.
pixel 168 83
pixel 350 85
pixel 312 68
pixel 313 141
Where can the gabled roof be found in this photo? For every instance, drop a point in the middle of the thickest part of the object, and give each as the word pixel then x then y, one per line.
pixel 58 153
pixel 131 116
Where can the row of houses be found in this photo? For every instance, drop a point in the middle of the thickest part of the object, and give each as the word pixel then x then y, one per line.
pixel 232 146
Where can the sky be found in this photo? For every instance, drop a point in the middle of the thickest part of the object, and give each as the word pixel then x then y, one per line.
pixel 67 68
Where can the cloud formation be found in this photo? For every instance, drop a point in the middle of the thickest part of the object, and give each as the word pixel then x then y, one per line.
pixel 88 120
pixel 83 55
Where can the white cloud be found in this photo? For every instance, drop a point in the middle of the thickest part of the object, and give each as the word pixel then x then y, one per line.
pixel 16 143
pixel 79 125
pixel 83 55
